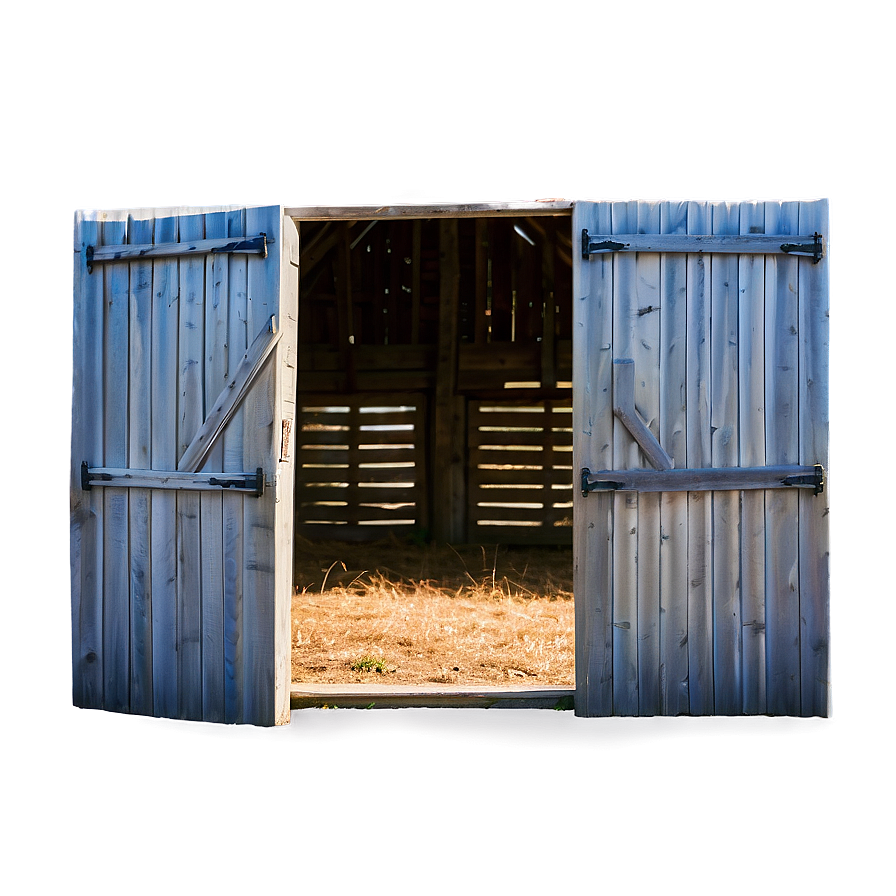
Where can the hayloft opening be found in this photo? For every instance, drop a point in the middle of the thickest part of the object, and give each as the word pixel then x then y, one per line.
pixel 433 437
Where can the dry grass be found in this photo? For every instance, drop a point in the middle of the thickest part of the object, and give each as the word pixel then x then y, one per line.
pixel 394 612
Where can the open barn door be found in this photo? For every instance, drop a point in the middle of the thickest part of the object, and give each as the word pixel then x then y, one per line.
pixel 700 400
pixel 181 472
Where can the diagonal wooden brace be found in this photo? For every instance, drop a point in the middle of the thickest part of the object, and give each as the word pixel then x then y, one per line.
pixel 624 409
pixel 229 400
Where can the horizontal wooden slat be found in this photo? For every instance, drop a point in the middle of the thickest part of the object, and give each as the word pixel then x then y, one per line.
pixel 520 477
pixel 316 455
pixel 367 696
pixel 356 514
pixel 467 210
pixel 526 514
pixel 393 438
pixel 548 420
pixel 515 437
pixel 525 495
pixel 242 245
pixel 371 495
pixel 739 244
pixel 717 479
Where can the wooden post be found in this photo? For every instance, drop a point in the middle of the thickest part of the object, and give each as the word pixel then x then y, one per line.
pixel 449 443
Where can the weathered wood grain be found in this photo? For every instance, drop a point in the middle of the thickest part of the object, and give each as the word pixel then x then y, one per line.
pixel 190 416
pixel 727 624
pixel 116 576
pixel 625 507
pixel 259 660
pixel 673 549
pixel 163 524
pixel 751 446
pixel 646 354
pixel 782 585
pixel 699 455
pixel 139 455
pixel 211 507
pixel 593 445
pixel 814 329
pixel 232 504
pixel 87 445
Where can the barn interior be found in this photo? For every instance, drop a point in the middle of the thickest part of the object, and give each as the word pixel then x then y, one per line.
pixel 434 393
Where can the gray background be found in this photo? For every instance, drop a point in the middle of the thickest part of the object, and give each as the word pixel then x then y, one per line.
pixel 112 106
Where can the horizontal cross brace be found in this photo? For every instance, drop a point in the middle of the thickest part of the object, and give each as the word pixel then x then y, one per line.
pixel 715 479
pixel 111 477
pixel 254 245
pixel 811 246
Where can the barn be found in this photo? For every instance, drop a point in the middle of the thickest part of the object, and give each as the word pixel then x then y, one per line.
pixel 644 380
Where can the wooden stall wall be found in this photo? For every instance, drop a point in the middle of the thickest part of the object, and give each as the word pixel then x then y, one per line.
pixel 458 333
pixel 702 602
pixel 180 587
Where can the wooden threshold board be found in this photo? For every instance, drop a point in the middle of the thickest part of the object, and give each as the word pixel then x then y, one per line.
pixel 386 696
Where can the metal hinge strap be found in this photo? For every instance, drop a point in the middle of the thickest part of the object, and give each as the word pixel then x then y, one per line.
pixel 252 483
pixel 811 245
pixel 713 479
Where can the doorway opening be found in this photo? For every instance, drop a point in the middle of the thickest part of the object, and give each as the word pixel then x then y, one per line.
pixel 433 451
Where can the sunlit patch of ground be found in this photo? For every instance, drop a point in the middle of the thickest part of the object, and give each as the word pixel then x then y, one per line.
pixel 396 613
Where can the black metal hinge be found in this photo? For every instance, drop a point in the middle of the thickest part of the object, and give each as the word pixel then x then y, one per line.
pixel 815 250
pixel 255 482
pixel 588 247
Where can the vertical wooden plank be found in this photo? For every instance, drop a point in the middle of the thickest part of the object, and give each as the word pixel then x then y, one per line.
pixel 163 524
pixel 593 448
pixel 782 586
pixel 814 540
pixel 751 446
pixel 449 429
pixel 211 506
pixel 232 504
pixel 673 634
pixel 116 578
pixel 727 628
pixel 140 457
pixel 285 361
pixel 699 455
pixel 87 445
pixel 191 415
pixel 259 661
pixel 625 506
pixel 646 353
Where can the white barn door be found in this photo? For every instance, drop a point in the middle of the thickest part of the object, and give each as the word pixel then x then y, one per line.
pixel 185 329
pixel 701 442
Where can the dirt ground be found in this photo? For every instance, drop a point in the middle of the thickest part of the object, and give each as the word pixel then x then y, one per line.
pixel 394 612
